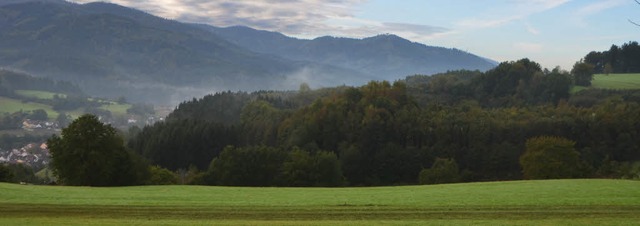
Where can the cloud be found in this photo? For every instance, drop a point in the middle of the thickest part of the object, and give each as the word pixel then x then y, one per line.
pixel 301 18
pixel 532 29
pixel 509 11
pixel 586 11
pixel 528 47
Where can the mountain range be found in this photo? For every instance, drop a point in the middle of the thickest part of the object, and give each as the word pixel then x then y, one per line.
pixel 384 56
pixel 111 51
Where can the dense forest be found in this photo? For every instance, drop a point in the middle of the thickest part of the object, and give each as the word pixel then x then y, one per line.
pixel 383 133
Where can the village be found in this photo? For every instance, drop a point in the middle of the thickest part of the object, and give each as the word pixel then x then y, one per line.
pixel 33 155
pixel 31 125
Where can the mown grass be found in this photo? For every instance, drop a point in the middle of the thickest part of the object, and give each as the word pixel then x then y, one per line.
pixel 616 81
pixel 564 202
pixel 44 95
pixel 9 105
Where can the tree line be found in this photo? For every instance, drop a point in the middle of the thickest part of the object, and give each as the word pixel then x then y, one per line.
pixel 387 133
pixel 618 59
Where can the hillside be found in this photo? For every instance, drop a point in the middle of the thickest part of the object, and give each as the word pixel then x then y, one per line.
pixel 553 202
pixel 387 57
pixel 114 51
pixel 25 98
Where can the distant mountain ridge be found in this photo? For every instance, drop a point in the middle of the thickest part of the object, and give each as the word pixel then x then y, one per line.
pixel 112 51
pixel 385 56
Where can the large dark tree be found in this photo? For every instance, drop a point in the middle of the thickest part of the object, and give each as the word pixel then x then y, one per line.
pixel 90 153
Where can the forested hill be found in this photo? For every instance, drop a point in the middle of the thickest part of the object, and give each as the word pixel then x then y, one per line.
pixel 387 57
pixel 113 51
pixel 458 126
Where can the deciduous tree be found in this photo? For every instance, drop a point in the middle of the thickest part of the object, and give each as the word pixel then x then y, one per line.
pixel 90 153
pixel 550 158
pixel 442 171
pixel 582 73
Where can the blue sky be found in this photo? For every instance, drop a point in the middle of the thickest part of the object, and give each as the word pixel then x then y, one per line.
pixel 550 32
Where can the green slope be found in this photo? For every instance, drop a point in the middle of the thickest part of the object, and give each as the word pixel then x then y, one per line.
pixel 616 81
pixel 572 202
pixel 9 105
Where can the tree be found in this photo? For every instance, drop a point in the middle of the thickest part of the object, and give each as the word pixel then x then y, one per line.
pixel 161 176
pixel 6 175
pixel 608 69
pixel 90 153
pixel 550 158
pixel 442 171
pixel 39 114
pixel 302 169
pixel 582 73
pixel 249 166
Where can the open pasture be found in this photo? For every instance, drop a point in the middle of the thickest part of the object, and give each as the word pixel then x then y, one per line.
pixel 44 95
pixel 616 81
pixel 552 202
pixel 8 105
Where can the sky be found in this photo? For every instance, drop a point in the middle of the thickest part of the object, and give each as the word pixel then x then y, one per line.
pixel 550 32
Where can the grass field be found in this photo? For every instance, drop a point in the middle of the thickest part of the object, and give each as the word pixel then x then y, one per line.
pixel 553 202
pixel 12 105
pixel 44 95
pixel 115 108
pixel 9 105
pixel 616 81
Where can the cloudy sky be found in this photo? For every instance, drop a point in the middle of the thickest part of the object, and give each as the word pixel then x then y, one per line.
pixel 551 32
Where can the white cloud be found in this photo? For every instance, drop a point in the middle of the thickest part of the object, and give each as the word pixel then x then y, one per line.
pixel 509 11
pixel 528 47
pixel 532 29
pixel 301 18
pixel 586 11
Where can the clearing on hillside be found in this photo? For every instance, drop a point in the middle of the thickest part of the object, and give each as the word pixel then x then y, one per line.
pixel 10 105
pixel 43 95
pixel 616 81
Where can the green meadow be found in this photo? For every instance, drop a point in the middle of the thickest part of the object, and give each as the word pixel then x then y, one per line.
pixel 10 105
pixel 616 81
pixel 116 108
pixel 551 202
pixel 44 95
